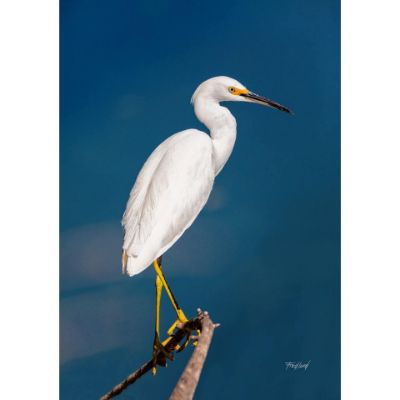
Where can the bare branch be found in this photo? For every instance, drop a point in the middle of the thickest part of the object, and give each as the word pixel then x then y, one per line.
pixel 187 384
pixel 201 323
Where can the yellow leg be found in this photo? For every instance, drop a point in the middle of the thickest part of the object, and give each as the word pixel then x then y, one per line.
pixel 157 324
pixel 158 301
pixel 159 346
pixel 180 314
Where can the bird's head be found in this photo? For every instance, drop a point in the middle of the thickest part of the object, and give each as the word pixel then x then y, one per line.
pixel 223 88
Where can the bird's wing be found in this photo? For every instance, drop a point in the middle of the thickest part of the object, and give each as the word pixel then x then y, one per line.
pixel 170 191
pixel 138 208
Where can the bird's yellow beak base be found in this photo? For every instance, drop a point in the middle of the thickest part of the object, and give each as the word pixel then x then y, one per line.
pixel 237 92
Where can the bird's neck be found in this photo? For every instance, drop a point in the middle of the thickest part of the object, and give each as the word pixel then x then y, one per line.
pixel 222 126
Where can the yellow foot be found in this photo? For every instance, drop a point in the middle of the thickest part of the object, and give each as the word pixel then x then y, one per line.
pixel 160 348
pixel 181 320
pixel 196 341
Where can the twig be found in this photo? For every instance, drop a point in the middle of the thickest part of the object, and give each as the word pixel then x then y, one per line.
pixel 198 323
pixel 187 384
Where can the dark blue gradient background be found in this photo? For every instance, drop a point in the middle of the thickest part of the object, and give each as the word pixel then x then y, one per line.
pixel 263 257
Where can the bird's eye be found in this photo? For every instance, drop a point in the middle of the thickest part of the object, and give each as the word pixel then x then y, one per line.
pixel 232 89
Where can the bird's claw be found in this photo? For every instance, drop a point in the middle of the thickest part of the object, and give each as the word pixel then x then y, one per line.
pixel 185 343
pixel 188 338
pixel 181 319
pixel 196 340
pixel 160 353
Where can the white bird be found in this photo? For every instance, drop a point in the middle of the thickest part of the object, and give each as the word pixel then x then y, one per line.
pixel 175 182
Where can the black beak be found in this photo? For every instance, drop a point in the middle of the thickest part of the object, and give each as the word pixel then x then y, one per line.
pixel 264 101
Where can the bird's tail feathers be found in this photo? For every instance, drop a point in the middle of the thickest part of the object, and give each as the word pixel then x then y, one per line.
pixel 124 261
pixel 131 265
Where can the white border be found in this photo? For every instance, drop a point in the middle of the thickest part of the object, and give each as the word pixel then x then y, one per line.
pixel 29 199
pixel 370 199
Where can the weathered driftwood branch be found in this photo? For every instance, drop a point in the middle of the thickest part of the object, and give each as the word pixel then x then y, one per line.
pixel 187 384
pixel 202 323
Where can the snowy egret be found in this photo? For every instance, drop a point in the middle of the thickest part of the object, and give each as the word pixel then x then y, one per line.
pixel 175 182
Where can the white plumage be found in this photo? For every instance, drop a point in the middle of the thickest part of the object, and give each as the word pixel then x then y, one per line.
pixel 175 182
pixel 170 191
